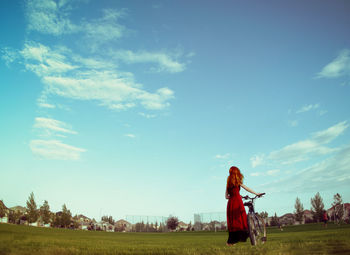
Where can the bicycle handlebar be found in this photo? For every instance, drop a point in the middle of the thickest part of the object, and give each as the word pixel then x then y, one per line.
pixel 252 198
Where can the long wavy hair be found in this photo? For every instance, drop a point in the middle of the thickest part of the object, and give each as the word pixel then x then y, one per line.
pixel 235 178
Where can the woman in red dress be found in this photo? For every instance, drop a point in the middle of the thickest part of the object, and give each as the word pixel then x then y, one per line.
pixel 236 215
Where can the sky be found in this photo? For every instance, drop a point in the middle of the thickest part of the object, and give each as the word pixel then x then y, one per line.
pixel 141 107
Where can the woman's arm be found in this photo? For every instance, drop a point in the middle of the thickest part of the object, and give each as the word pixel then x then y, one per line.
pixel 227 196
pixel 250 190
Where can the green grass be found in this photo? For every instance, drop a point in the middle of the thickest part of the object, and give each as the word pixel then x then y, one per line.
pixel 305 239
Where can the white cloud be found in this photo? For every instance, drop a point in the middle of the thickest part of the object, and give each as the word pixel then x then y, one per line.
pixel 222 156
pixel 340 66
pixel 299 151
pixel 330 173
pixel 111 90
pixel 303 150
pixel 257 160
pixel 267 173
pixel 256 174
pixel 43 61
pixel 328 135
pixel 99 31
pixel 130 135
pixel 48 17
pixel 273 172
pixel 164 61
pixel 46 105
pixel 9 55
pixel 52 125
pixel 109 87
pixel 54 149
pixel 307 108
pixel 147 116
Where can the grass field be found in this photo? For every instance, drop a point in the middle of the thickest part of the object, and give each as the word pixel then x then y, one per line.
pixel 305 239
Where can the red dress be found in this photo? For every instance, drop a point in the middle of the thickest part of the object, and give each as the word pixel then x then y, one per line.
pixel 236 216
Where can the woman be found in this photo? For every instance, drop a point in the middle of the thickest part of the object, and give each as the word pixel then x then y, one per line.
pixel 325 218
pixel 236 215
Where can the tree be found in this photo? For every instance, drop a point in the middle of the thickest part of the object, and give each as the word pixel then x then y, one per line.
pixel 56 220
pixel 111 220
pixel 264 215
pixel 172 222
pixel 317 207
pixel 32 211
pixel 15 216
pixel 66 216
pixel 76 222
pixel 274 220
pixel 299 210
pixel 189 227
pixel 108 219
pixel 45 212
pixel 2 209
pixel 338 207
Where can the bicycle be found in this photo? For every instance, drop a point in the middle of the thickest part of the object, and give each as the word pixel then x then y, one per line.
pixel 256 224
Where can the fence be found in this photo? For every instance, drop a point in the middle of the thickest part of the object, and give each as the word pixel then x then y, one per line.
pixel 147 223
pixel 212 221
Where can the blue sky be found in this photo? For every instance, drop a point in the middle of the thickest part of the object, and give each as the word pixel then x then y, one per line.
pixel 140 107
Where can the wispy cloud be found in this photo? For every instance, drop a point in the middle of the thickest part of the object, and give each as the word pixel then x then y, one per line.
pixel 329 173
pixel 78 80
pixel 147 116
pixel 328 135
pixel 273 172
pixel 340 66
pixel 55 150
pixel 164 61
pixel 52 125
pixel 303 150
pixel 67 74
pixel 222 156
pixel 49 17
pixel 257 160
pixel 307 108
pixel 105 29
pixel 53 18
pixel 9 55
pixel 130 135
pixel 43 61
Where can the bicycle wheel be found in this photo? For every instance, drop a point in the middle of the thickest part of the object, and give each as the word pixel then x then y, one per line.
pixel 260 230
pixel 251 228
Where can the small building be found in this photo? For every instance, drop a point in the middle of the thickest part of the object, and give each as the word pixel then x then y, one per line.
pixel 182 226
pixel 122 226
pixel 104 226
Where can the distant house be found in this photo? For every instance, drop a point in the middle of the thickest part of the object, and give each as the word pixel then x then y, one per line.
pixel 85 223
pixel 20 214
pixel 308 217
pixel 122 226
pixel 346 212
pixel 104 226
pixel 19 208
pixel 287 219
pixel 182 226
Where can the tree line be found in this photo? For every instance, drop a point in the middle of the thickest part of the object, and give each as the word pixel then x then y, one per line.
pixel 33 213
pixel 64 219
pixel 317 212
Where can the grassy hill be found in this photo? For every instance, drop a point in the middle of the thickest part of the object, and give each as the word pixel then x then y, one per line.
pixel 303 239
